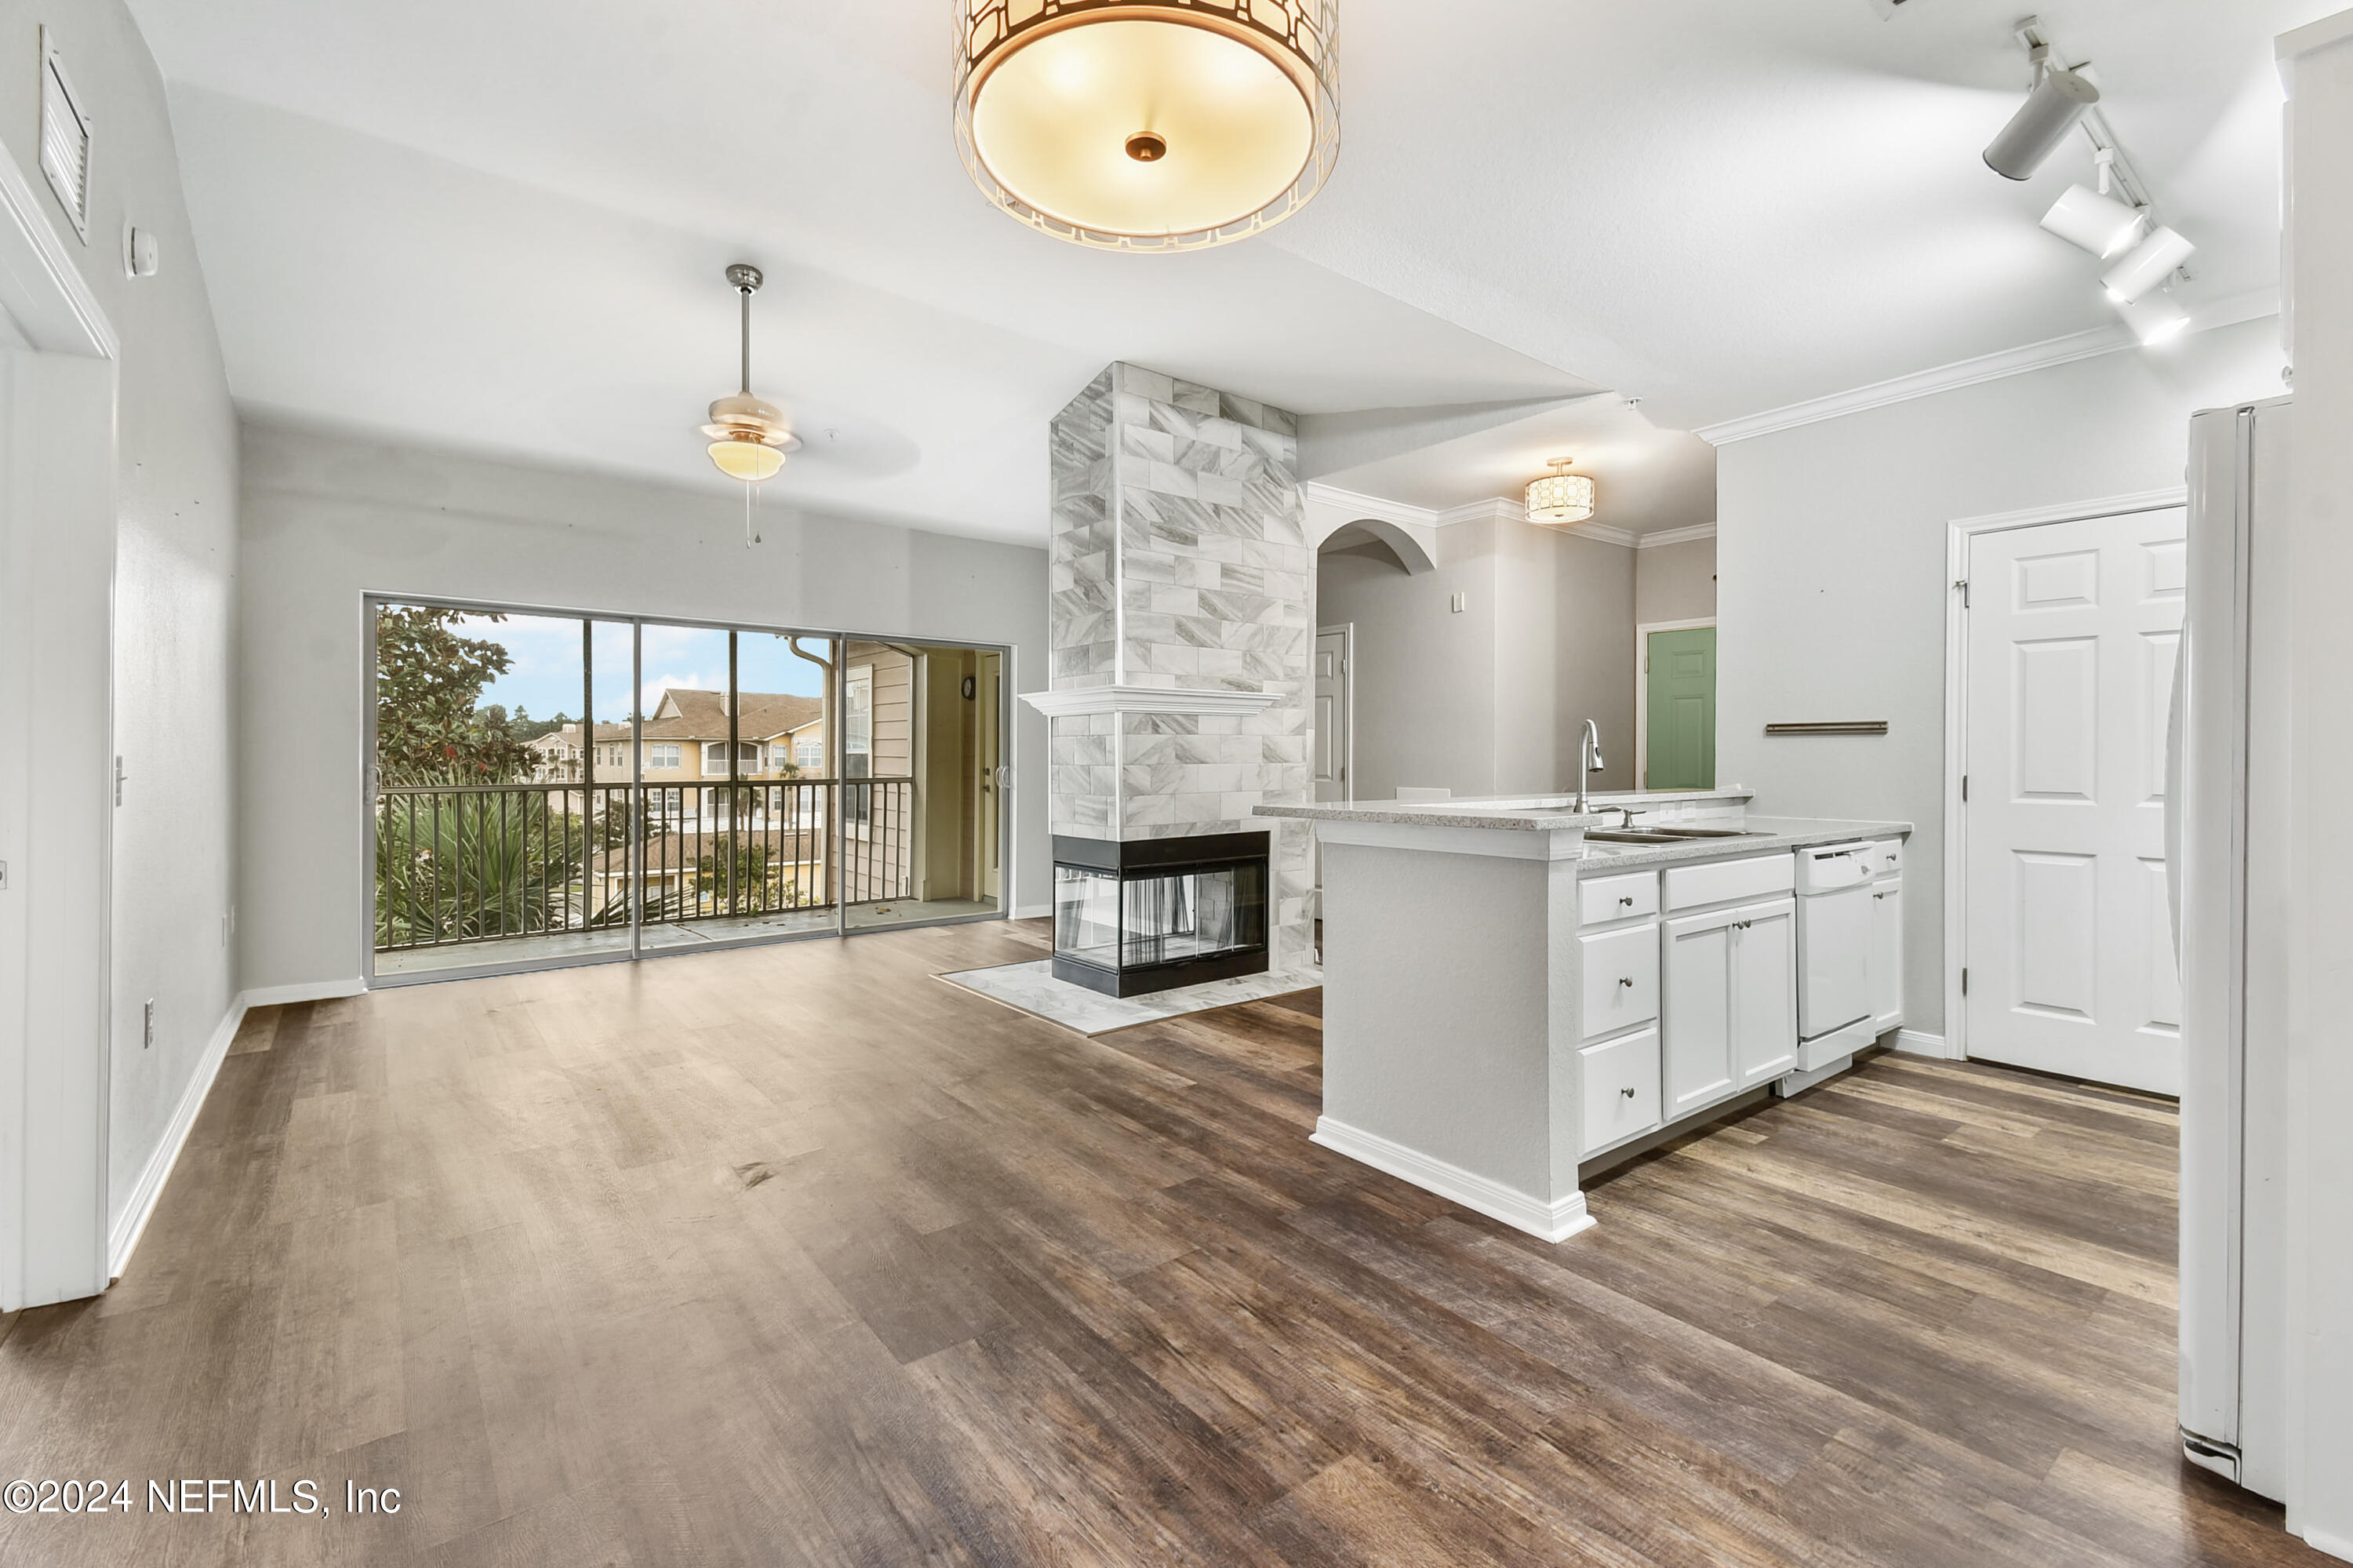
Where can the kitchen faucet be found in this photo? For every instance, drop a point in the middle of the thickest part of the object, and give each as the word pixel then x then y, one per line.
pixel 1588 760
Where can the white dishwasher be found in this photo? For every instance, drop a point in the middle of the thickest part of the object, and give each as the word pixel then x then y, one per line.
pixel 1834 939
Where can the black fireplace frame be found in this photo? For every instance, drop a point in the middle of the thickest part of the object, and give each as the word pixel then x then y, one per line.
pixel 1140 860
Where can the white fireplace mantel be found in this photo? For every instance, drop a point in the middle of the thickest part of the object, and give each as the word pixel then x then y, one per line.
pixel 1079 700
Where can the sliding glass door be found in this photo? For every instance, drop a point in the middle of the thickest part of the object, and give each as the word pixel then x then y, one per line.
pixel 719 786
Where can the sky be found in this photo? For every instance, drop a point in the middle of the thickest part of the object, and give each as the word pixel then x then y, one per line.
pixel 545 677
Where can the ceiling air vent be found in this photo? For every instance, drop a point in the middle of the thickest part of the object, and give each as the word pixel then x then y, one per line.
pixel 65 139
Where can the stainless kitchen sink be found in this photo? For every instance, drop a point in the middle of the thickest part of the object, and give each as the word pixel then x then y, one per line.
pixel 1668 835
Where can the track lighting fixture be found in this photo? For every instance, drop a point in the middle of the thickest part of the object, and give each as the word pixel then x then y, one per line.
pixel 2099 223
pixel 2042 123
pixel 2146 266
pixel 2154 319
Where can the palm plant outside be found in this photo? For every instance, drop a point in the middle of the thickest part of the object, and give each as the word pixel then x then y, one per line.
pixel 454 863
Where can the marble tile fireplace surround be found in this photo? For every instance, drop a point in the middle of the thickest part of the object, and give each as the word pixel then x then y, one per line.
pixel 1181 625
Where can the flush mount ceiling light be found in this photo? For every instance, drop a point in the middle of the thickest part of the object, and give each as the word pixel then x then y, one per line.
pixel 2099 223
pixel 2145 265
pixel 1147 124
pixel 749 437
pixel 1560 496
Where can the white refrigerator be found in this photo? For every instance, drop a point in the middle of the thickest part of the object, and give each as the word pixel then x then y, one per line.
pixel 2226 817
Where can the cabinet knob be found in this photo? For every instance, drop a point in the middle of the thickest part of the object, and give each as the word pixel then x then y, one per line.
pixel 1626 902
pixel 1626 980
pixel 1628 1092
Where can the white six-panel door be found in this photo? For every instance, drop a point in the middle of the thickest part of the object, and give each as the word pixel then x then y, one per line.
pixel 1331 738
pixel 2072 630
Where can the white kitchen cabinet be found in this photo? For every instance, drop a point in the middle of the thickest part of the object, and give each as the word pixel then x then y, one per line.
pixel 1619 1080
pixel 1765 991
pixel 1730 1003
pixel 1621 978
pixel 1887 956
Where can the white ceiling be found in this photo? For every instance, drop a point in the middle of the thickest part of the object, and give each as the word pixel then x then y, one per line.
pixel 502 226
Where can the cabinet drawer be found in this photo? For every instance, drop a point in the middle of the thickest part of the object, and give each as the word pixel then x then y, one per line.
pixel 1601 899
pixel 1621 978
pixel 1760 876
pixel 1887 858
pixel 1620 1085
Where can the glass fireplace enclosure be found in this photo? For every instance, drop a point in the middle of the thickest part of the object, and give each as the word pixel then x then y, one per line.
pixel 685 785
pixel 1150 914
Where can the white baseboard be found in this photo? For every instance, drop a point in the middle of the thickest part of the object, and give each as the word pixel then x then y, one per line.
pixel 127 1230
pixel 1032 911
pixel 1921 1043
pixel 123 1236
pixel 1553 1222
pixel 2334 1545
pixel 308 990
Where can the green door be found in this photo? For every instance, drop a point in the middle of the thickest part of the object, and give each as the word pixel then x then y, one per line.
pixel 1678 668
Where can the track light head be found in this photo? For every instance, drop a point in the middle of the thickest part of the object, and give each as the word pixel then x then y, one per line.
pixel 2155 319
pixel 2101 224
pixel 2146 266
pixel 2041 123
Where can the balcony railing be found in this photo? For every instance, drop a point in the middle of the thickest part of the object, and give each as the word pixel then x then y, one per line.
pixel 460 863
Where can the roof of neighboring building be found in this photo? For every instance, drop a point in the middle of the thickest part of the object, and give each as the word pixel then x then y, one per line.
pixel 671 852
pixel 702 716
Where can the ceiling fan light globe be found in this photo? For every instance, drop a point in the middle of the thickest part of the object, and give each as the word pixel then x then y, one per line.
pixel 749 459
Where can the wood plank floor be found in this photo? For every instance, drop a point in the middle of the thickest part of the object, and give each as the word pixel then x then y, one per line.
pixel 799 1255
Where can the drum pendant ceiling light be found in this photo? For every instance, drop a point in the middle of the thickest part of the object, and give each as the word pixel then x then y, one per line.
pixel 1147 124
pixel 1560 496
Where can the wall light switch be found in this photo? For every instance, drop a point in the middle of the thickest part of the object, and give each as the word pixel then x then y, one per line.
pixel 1459 603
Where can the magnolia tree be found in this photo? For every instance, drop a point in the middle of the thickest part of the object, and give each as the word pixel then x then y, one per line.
pixel 430 727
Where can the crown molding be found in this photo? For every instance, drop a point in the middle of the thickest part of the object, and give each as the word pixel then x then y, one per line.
pixel 1360 505
pixel 1494 509
pixel 2090 345
pixel 1073 702
pixel 1675 535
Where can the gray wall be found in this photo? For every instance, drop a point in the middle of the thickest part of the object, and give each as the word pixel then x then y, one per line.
pixel 1832 540
pixel 175 570
pixel 329 519
pixel 1487 701
pixel 1674 582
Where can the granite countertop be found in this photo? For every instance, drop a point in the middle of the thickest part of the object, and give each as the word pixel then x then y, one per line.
pixel 1762 835
pixel 1550 813
pixel 1518 813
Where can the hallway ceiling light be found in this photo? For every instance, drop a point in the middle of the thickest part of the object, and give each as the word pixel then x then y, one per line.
pixel 1560 496
pixel 2145 265
pixel 1147 124
pixel 749 437
pixel 2042 123
pixel 2155 319
pixel 2099 223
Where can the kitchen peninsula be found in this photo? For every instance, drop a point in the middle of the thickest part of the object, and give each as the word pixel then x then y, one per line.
pixel 1513 988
